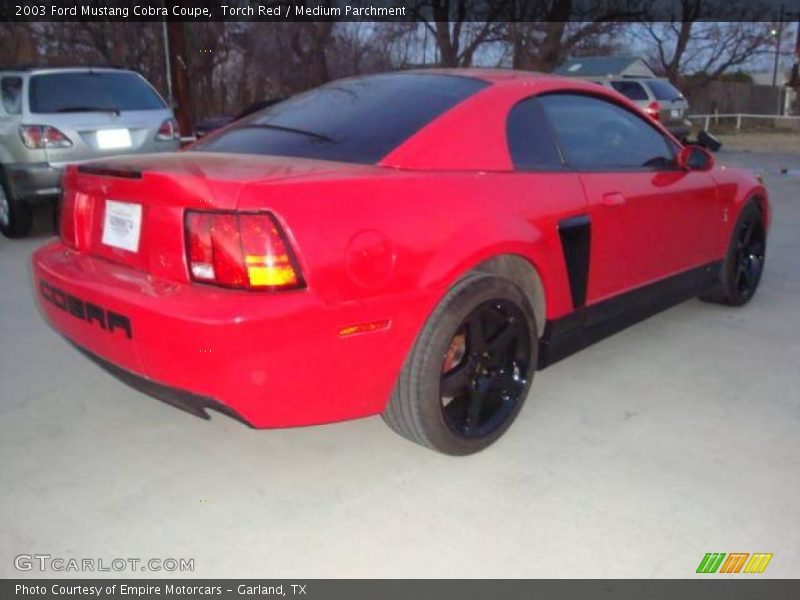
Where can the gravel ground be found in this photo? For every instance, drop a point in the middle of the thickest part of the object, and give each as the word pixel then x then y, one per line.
pixel 770 142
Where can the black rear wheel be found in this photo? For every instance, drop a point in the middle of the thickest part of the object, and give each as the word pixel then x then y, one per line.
pixel 470 369
pixel 484 369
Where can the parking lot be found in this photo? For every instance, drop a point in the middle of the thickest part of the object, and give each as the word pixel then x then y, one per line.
pixel 635 457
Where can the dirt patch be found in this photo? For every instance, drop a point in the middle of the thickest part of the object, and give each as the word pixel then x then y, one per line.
pixel 762 142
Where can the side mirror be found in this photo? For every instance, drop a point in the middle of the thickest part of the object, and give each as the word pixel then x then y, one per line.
pixel 695 158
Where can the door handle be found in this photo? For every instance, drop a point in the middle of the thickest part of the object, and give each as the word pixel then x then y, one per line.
pixel 613 199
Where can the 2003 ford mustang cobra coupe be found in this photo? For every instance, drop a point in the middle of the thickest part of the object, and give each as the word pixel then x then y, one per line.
pixel 412 244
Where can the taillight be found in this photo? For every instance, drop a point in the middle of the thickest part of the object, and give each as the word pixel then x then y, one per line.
pixel 66 219
pixel 37 137
pixel 168 131
pixel 240 250
pixel 652 110
pixel 74 219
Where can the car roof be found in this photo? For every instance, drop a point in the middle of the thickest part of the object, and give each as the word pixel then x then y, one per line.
pixel 496 76
pixel 636 78
pixel 513 78
pixel 59 69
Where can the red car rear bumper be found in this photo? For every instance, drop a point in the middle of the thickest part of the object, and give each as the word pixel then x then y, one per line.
pixel 275 360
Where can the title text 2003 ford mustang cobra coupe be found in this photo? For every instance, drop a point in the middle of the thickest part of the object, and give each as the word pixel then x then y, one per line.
pixel 413 244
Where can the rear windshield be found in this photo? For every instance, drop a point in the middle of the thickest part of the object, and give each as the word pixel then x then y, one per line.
pixel 87 91
pixel 630 89
pixel 663 90
pixel 355 120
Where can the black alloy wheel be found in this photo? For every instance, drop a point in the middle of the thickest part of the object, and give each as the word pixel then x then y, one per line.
pixel 749 255
pixel 484 369
pixel 743 265
pixel 471 367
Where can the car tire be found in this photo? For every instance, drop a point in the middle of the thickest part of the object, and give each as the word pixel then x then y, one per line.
pixel 744 262
pixel 468 374
pixel 16 216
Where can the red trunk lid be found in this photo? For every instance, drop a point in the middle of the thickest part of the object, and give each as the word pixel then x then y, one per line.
pixel 158 189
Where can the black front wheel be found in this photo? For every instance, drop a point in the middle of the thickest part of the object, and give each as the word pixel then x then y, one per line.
pixel 744 263
pixel 470 370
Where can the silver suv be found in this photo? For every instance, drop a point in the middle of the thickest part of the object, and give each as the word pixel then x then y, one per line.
pixel 657 97
pixel 50 117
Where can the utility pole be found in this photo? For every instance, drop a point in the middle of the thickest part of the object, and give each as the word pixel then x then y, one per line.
pixel 795 79
pixel 778 40
pixel 166 64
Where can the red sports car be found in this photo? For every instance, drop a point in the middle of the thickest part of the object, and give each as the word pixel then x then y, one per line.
pixel 410 244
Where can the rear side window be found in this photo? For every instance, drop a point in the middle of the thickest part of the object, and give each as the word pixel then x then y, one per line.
pixel 664 90
pixel 11 90
pixel 596 134
pixel 355 120
pixel 87 91
pixel 529 138
pixel 630 89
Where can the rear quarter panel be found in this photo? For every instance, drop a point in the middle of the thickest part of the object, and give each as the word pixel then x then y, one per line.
pixel 389 246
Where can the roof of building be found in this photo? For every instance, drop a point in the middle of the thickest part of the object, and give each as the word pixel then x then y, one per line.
pixel 596 66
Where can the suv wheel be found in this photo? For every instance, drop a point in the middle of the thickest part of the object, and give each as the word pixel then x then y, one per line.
pixel 16 216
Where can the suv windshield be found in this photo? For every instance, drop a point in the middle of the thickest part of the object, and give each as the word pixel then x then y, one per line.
pixel 663 90
pixel 86 91
pixel 356 120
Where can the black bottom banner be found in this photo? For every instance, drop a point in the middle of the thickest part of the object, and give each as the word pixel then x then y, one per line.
pixel 433 589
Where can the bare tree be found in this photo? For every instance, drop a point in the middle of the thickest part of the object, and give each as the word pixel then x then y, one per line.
pixel 309 43
pixel 457 36
pixel 690 44
pixel 542 33
pixel 18 43
pixel 208 55
pixel 363 48
pixel 136 46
